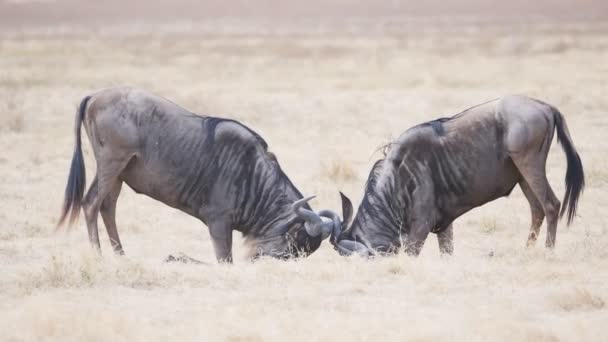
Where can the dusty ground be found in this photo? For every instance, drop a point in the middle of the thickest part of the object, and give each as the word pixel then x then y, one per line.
pixel 325 93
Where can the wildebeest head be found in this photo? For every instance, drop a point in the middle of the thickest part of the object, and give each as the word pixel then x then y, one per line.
pixel 375 227
pixel 342 238
pixel 299 235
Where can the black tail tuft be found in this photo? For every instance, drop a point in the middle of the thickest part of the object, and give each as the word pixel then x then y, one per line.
pixel 74 190
pixel 575 176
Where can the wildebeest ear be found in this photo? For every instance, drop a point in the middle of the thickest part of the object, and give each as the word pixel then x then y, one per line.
pixel 347 211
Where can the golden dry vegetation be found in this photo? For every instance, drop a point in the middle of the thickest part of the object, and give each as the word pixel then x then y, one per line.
pixel 326 97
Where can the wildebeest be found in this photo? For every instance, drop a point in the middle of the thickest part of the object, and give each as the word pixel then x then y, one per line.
pixel 441 169
pixel 214 169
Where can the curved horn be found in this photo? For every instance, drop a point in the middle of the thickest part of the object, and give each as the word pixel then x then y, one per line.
pixel 348 247
pixel 308 215
pixel 313 223
pixel 337 224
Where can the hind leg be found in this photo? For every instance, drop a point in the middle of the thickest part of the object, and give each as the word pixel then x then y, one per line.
pixel 528 143
pixel 91 215
pixel 108 214
pixel 107 176
pixel 536 211
pixel 551 207
pixel 533 172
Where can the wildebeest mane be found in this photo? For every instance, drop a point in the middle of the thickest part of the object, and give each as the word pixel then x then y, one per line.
pixel 378 202
pixel 437 124
pixel 210 124
pixel 373 175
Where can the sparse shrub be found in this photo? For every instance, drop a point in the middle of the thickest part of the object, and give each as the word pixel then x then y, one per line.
pixel 13 123
pixel 396 269
pixel 580 299
pixel 489 225
pixel 339 171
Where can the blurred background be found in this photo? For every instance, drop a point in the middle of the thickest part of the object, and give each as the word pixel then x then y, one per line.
pixel 276 12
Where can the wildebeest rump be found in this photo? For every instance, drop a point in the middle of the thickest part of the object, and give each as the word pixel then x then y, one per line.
pixel 441 169
pixel 214 169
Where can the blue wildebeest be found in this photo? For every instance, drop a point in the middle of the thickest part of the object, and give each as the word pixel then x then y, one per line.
pixel 441 169
pixel 214 169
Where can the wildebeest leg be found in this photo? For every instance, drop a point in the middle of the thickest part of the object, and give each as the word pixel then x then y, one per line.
pixel 221 235
pixel 415 239
pixel 445 238
pixel 107 175
pixel 528 142
pixel 108 214
pixel 551 207
pixel 91 215
pixel 537 213
pixel 533 171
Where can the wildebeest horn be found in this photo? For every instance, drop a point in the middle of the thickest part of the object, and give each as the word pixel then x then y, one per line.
pixel 348 247
pixel 306 214
pixel 313 223
pixel 337 224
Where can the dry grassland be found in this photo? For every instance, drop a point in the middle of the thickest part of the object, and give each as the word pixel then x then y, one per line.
pixel 325 99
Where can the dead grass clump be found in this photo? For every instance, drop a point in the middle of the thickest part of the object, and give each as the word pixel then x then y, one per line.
pixel 580 299
pixel 396 269
pixel 339 171
pixel 8 234
pixel 13 123
pixel 62 272
pixel 240 338
pixel 489 225
pixel 88 270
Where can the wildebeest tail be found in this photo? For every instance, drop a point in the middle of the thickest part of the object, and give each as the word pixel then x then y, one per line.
pixel 74 190
pixel 575 176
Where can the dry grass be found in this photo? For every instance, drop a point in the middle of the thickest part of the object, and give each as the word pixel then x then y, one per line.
pixel 490 225
pixel 580 299
pixel 339 171
pixel 324 101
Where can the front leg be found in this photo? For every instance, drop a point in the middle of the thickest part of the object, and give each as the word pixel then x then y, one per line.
pixel 445 238
pixel 416 238
pixel 221 236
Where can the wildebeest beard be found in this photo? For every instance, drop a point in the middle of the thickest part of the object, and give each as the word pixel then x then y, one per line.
pixel 295 243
